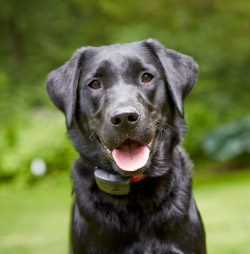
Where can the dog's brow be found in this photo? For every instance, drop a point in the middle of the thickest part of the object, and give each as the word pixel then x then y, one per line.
pixel 104 68
pixel 101 71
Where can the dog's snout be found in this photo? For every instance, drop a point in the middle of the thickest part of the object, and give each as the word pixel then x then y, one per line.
pixel 125 118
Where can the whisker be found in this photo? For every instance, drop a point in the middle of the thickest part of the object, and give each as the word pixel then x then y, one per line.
pixel 159 129
pixel 92 136
pixel 168 125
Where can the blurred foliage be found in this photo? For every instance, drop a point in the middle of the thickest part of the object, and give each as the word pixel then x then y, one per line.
pixel 38 134
pixel 38 36
pixel 229 140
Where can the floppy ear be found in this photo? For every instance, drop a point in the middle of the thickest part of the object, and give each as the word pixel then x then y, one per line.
pixel 61 85
pixel 180 72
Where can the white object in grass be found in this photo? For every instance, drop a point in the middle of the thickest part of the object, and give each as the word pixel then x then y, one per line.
pixel 38 167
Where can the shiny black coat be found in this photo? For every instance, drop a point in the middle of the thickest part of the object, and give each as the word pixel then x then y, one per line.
pixel 159 215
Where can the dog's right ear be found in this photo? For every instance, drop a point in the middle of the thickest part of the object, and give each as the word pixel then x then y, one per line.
pixel 61 85
pixel 180 72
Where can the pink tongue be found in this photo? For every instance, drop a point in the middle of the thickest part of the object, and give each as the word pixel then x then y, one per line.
pixel 131 155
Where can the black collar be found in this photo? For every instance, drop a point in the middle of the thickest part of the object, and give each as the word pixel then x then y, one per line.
pixel 115 184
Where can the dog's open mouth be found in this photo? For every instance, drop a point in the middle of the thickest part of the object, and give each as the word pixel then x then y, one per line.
pixel 131 155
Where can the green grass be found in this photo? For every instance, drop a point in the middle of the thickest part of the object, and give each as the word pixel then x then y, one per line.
pixel 224 202
pixel 35 220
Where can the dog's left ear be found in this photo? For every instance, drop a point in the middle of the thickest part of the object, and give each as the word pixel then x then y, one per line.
pixel 62 85
pixel 180 72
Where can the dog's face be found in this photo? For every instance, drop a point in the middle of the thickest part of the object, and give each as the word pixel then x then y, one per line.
pixel 122 94
pixel 125 97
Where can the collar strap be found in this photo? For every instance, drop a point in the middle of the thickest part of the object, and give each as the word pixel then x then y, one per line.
pixel 115 184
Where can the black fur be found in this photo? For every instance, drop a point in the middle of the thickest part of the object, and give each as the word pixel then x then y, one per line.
pixel 159 215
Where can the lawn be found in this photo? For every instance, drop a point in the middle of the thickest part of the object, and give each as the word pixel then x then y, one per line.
pixel 224 202
pixel 35 220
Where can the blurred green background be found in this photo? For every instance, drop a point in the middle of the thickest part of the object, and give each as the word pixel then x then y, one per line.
pixel 38 36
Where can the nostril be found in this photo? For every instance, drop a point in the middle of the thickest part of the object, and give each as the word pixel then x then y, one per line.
pixel 132 118
pixel 116 121
pixel 124 118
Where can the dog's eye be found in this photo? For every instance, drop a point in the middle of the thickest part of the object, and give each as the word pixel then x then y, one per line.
pixel 147 77
pixel 95 84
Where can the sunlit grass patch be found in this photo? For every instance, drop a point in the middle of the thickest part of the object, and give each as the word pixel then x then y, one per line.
pixel 35 220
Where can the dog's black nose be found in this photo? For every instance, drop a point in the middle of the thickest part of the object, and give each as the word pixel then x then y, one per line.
pixel 125 118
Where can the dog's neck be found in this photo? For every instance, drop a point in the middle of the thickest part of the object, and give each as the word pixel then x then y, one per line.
pixel 115 184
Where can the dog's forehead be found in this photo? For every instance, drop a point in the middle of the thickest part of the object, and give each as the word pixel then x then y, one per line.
pixel 119 55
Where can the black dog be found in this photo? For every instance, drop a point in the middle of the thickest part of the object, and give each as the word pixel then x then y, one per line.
pixel 124 112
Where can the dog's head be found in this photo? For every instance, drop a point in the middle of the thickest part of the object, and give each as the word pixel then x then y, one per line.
pixel 124 103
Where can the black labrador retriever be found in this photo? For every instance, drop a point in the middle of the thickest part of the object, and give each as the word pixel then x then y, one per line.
pixel 124 113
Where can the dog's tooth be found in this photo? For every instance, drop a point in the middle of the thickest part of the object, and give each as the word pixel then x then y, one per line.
pixel 107 150
pixel 150 144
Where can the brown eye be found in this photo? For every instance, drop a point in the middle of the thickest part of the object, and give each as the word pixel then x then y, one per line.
pixel 147 77
pixel 95 84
